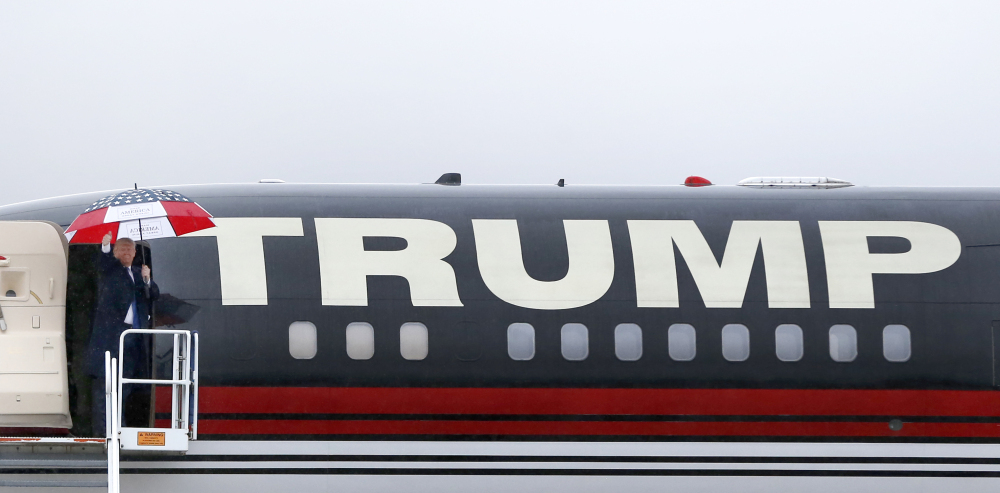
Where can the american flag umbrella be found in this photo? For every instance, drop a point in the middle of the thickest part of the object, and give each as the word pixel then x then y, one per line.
pixel 161 214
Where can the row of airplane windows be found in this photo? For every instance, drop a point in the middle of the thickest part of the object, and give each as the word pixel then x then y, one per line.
pixel 575 342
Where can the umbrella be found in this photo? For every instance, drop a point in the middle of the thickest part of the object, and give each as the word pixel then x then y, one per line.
pixel 142 213
pixel 174 311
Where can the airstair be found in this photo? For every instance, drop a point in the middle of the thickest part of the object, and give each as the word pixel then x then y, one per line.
pixel 183 404
pixel 62 462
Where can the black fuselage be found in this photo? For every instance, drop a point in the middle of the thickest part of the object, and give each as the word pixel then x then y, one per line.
pixel 949 311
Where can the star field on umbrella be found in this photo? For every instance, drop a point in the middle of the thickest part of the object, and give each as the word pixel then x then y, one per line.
pixel 139 196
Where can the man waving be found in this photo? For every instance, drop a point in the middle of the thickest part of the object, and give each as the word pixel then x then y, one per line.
pixel 122 303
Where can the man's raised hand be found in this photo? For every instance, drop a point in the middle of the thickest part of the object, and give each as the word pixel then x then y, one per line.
pixel 106 240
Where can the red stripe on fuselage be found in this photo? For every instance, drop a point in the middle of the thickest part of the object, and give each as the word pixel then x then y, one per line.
pixel 715 402
pixel 742 404
pixel 543 428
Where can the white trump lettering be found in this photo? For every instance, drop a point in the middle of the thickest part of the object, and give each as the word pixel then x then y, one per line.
pixel 241 254
pixel 722 285
pixel 591 265
pixel 850 265
pixel 344 264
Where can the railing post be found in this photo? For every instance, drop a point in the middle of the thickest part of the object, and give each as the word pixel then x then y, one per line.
pixel 114 446
pixel 108 386
pixel 108 424
pixel 194 379
pixel 186 372
pixel 174 376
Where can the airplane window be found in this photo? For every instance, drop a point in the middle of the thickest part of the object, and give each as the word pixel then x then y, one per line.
pixel 896 343
pixel 575 343
pixel 735 342
pixel 788 342
pixel 302 340
pixel 681 342
pixel 521 341
pixel 843 343
pixel 360 341
pixel 628 342
pixel 413 341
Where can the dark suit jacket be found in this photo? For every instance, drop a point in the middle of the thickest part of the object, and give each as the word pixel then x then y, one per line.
pixel 114 296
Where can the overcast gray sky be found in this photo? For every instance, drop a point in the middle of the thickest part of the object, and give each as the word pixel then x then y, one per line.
pixel 98 95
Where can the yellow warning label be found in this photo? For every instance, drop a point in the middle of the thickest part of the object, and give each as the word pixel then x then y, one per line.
pixel 152 438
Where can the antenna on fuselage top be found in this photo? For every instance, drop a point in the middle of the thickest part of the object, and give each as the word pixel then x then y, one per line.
pixel 449 179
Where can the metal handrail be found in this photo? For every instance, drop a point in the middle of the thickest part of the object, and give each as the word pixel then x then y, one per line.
pixel 155 382
pixel 114 380
pixel 182 350
pixel 108 392
pixel 112 425
pixel 194 378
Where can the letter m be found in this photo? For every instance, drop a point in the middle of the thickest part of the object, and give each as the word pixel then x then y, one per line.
pixel 722 285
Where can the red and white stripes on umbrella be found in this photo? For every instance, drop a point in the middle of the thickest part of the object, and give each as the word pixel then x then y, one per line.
pixel 161 213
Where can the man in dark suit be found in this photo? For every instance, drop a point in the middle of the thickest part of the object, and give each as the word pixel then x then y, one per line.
pixel 123 299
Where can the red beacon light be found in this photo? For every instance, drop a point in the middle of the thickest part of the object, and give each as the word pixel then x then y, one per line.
pixel 696 181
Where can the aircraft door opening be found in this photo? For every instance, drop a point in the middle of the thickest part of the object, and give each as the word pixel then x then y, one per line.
pixel 34 389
